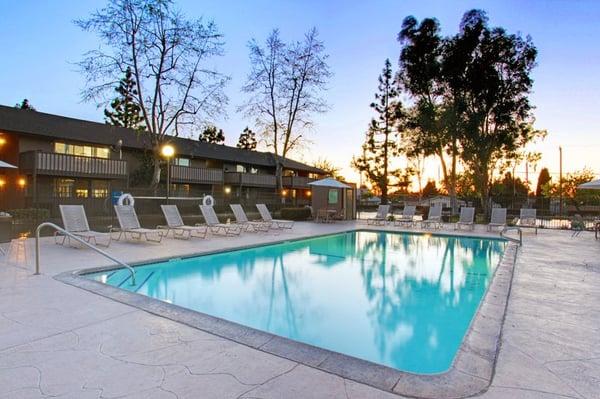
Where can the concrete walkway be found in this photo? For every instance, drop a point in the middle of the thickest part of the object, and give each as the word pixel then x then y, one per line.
pixel 60 341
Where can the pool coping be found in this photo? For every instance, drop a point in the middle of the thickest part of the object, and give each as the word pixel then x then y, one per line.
pixel 470 373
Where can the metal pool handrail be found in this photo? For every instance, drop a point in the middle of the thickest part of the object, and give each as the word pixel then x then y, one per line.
pixel 79 240
pixel 510 228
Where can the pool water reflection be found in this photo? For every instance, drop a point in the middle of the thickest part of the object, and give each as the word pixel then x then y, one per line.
pixel 402 300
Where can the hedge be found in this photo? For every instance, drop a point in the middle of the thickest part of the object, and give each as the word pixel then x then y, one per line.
pixel 296 213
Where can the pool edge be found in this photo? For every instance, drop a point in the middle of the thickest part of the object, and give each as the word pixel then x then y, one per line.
pixel 471 371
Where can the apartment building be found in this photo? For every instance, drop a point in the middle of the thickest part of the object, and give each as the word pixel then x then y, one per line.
pixel 63 160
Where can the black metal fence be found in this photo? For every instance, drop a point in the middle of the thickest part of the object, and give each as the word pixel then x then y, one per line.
pixel 101 214
pixel 551 214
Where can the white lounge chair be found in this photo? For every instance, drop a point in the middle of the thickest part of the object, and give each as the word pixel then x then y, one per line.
pixel 466 218
pixel 381 216
pixel 216 227
pixel 175 224
pixel 130 224
pixel 434 217
pixel 274 223
pixel 75 222
pixel 242 220
pixel 498 219
pixel 528 218
pixel 407 217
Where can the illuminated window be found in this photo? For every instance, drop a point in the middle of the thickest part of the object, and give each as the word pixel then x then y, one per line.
pixel 181 161
pixel 82 150
pixel 63 188
pixel 100 189
pixel 102 152
pixel 240 168
pixel 82 188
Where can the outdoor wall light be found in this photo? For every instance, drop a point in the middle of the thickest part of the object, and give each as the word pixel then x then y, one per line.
pixel 284 193
pixel 308 193
pixel 2 141
pixel 2 183
pixel 22 182
pixel 227 190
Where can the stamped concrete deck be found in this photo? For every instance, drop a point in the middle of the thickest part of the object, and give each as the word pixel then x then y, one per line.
pixel 61 341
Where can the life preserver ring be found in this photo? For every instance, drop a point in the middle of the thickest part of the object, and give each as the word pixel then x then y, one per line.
pixel 208 200
pixel 126 199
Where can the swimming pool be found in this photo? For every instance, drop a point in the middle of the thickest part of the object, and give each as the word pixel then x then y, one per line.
pixel 398 299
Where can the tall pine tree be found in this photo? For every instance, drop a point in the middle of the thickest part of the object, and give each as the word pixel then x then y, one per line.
pixel 247 140
pixel 25 105
pixel 212 135
pixel 124 111
pixel 383 138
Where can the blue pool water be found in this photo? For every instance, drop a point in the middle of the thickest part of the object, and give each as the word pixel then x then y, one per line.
pixel 401 300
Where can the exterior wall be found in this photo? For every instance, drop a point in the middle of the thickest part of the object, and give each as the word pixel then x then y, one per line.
pixel 346 201
pixel 13 196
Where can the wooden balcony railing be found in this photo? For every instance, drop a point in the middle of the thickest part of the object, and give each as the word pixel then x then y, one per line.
pixel 296 181
pixel 189 174
pixel 54 164
pixel 250 179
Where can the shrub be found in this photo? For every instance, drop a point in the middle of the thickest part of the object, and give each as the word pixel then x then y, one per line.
pixel 29 215
pixel 296 213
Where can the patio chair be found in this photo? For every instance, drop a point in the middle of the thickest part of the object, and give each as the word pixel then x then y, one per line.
pixel 75 222
pixel 528 218
pixel 323 216
pixel 130 224
pixel 381 216
pixel 242 219
pixel 498 219
pixel 434 217
pixel 216 227
pixel 175 224
pixel 466 218
pixel 407 217
pixel 577 225
pixel 274 223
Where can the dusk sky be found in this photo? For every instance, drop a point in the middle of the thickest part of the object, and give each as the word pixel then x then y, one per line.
pixel 40 45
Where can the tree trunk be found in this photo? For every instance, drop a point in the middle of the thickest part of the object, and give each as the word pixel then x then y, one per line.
pixel 156 174
pixel 452 188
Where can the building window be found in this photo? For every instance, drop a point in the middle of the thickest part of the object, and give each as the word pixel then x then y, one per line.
pixel 181 190
pixel 63 188
pixel 240 168
pixel 81 150
pixel 82 189
pixel 253 170
pixel 181 162
pixel 100 188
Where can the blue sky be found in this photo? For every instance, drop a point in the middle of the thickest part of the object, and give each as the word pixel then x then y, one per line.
pixel 40 46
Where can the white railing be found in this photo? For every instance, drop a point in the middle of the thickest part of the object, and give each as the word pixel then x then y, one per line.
pixel 79 240
pixel 510 228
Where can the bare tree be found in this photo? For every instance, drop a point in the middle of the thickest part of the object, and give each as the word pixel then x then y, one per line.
pixel 285 85
pixel 166 54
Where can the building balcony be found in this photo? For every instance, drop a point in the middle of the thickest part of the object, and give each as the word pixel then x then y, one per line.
pixel 194 175
pixel 55 164
pixel 296 181
pixel 250 179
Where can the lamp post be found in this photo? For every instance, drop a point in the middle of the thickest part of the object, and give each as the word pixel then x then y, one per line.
pixel 168 151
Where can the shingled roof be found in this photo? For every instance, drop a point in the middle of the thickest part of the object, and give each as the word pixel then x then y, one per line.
pixel 60 127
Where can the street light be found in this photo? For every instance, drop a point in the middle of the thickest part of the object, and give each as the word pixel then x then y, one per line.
pixel 168 151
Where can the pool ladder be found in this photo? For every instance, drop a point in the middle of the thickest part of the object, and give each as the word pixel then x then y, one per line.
pixel 79 240
pixel 511 228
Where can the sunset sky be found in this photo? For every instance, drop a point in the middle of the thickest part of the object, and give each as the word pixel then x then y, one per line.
pixel 40 45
